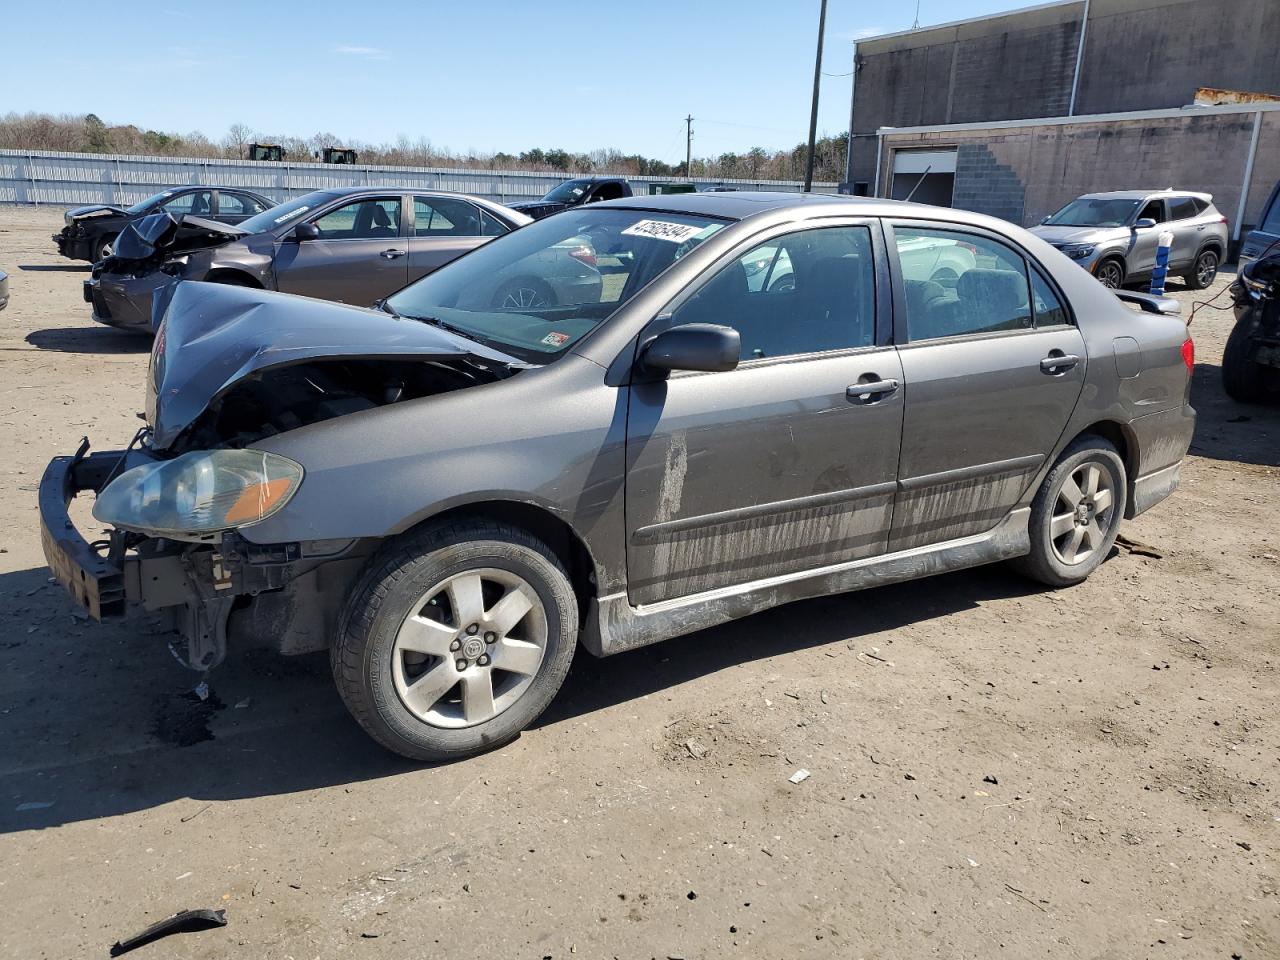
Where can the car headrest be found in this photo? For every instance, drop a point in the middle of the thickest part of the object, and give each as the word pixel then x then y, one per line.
pixel 380 216
pixel 997 289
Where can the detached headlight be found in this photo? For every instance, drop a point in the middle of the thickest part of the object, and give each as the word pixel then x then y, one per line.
pixel 199 493
pixel 1078 251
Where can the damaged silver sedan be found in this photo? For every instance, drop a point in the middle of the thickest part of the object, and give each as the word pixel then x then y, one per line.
pixel 454 492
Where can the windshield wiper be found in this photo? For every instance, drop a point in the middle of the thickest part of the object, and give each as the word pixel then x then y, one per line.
pixel 385 307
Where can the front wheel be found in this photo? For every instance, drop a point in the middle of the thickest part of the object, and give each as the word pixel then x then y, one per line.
pixel 455 640
pixel 105 247
pixel 1111 274
pixel 1076 514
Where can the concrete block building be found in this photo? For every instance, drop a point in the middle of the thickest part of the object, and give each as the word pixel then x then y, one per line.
pixel 1017 113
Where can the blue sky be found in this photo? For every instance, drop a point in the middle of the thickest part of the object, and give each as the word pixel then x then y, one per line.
pixel 483 75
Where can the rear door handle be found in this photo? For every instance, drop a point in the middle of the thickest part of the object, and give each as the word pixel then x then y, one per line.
pixel 871 391
pixel 1057 363
pixel 391 254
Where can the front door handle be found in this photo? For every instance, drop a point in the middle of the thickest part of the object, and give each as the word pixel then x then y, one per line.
pixel 391 254
pixel 1058 362
pixel 871 390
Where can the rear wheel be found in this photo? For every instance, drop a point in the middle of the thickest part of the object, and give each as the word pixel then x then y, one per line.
pixel 1204 271
pixel 528 294
pixel 105 247
pixel 455 640
pixel 1244 380
pixel 1076 514
pixel 1110 273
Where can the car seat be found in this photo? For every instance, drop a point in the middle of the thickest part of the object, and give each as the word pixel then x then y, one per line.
pixel 382 225
pixel 200 204
pixel 985 300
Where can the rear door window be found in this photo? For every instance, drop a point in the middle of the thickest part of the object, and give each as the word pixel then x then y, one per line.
pixel 445 217
pixel 1182 208
pixel 960 284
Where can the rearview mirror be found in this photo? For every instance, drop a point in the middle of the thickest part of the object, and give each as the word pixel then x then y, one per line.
pixel 707 347
pixel 1144 224
pixel 305 231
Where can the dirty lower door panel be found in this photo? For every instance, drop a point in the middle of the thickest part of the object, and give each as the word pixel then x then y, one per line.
pixel 761 471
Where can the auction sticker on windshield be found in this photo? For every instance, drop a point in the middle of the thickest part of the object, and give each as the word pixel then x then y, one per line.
pixel 555 338
pixel 664 230
pixel 291 214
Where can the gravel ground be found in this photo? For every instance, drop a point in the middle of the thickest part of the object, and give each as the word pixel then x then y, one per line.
pixel 997 770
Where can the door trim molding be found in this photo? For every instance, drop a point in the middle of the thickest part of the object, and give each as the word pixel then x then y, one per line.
pixel 960 474
pixel 614 625
pixel 655 532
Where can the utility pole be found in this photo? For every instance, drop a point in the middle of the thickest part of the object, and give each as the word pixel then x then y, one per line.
pixel 813 112
pixel 688 145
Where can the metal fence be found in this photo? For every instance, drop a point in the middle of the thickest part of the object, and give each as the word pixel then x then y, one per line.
pixel 38 176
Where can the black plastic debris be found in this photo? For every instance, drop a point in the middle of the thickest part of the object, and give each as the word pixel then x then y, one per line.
pixel 188 921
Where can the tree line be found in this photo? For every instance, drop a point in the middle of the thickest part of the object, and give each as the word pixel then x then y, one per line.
pixel 89 134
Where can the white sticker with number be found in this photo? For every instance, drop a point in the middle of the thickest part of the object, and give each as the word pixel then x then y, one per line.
pixel 664 230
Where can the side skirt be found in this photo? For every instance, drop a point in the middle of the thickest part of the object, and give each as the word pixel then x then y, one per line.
pixel 614 625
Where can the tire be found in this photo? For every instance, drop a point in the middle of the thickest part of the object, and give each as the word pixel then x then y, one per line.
pixel 104 247
pixel 783 284
pixel 1204 271
pixel 1053 544
pixel 1244 380
pixel 1110 273
pixel 524 294
pixel 407 596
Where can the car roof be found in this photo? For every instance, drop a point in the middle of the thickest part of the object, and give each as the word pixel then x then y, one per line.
pixel 1144 194
pixel 739 205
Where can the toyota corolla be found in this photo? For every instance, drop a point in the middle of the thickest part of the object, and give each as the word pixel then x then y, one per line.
pixel 454 493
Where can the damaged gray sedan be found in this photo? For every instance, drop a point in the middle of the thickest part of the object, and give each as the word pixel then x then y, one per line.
pixel 453 493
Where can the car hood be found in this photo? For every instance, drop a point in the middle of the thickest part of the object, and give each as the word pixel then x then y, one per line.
pixel 78 213
pixel 160 234
pixel 1060 235
pixel 213 336
pixel 538 207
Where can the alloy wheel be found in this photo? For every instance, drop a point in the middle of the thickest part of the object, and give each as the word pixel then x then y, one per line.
pixel 470 648
pixel 1206 268
pixel 1109 275
pixel 1083 513
pixel 524 298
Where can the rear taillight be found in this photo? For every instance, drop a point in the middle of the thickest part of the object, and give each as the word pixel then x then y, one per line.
pixel 584 254
pixel 968 246
pixel 1189 353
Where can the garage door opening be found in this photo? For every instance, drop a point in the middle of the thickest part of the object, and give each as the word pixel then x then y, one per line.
pixel 926 176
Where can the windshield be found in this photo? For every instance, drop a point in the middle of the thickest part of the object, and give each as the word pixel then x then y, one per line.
pixel 538 290
pixel 570 191
pixel 1093 213
pixel 289 210
pixel 142 205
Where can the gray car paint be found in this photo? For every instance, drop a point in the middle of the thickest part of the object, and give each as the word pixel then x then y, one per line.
pixel 349 271
pixel 642 474
pixel 571 457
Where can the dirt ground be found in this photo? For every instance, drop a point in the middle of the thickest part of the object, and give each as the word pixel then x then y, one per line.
pixel 997 770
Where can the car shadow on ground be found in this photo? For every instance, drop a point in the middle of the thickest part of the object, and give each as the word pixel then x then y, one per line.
pixel 56 267
pixel 1227 430
pixel 122 729
pixel 102 340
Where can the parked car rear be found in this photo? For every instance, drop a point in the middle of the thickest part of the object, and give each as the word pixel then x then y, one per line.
pixel 1265 237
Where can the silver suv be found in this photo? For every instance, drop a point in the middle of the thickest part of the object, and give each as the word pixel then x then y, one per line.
pixel 1114 235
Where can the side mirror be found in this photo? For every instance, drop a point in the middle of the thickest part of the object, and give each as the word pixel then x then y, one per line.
pixel 1144 224
pixel 305 231
pixel 708 347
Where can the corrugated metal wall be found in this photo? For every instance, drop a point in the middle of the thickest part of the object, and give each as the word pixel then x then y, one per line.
pixel 81 178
